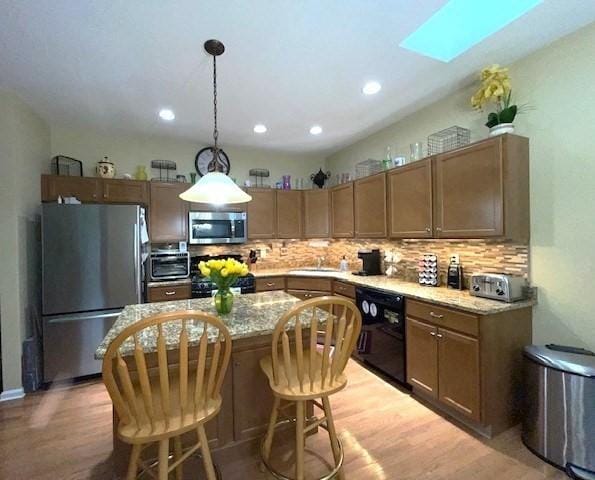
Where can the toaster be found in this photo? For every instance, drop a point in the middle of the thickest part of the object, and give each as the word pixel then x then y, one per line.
pixel 498 286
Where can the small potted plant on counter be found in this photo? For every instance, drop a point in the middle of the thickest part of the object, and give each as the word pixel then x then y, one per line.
pixel 224 274
pixel 495 88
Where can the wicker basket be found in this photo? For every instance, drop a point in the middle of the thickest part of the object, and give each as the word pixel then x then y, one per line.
pixel 367 167
pixel 448 139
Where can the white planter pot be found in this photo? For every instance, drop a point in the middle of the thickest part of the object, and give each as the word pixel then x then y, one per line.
pixel 501 129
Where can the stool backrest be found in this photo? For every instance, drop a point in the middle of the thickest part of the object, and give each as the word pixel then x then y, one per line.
pixel 331 326
pixel 182 356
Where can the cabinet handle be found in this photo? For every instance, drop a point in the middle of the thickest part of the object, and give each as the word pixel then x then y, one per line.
pixel 439 335
pixel 169 294
pixel 428 229
pixel 269 284
pixel 433 334
pixel 438 229
pixel 436 315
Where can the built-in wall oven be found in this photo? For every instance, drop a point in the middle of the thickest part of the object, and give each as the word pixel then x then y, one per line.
pixel 217 227
pixel 382 341
pixel 169 265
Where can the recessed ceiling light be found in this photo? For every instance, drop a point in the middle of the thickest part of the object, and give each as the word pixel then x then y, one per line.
pixel 442 38
pixel 316 130
pixel 260 128
pixel 371 88
pixel 167 114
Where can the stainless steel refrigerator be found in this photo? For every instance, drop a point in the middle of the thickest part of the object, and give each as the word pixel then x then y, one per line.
pixel 92 268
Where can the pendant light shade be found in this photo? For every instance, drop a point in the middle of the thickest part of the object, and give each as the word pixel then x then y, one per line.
pixel 216 188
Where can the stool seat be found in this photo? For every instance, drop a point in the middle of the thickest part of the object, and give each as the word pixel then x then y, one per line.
pixel 311 388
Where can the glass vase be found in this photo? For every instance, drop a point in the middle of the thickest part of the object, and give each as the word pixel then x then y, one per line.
pixel 223 301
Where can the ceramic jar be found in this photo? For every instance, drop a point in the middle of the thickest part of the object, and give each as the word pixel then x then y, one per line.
pixel 105 168
pixel 501 129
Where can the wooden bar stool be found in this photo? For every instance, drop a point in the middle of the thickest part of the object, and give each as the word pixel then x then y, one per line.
pixel 158 397
pixel 310 368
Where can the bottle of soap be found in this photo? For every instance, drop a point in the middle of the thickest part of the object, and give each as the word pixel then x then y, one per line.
pixel 344 264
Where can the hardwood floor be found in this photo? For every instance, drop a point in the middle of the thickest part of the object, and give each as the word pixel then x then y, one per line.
pixel 66 433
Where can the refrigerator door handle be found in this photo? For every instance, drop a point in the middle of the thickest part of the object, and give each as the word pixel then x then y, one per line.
pixel 137 262
pixel 76 318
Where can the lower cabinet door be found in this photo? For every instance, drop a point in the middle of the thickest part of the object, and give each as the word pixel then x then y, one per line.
pixel 422 356
pixel 458 377
pixel 249 383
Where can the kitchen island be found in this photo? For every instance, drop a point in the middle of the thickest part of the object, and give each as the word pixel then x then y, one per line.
pixel 247 398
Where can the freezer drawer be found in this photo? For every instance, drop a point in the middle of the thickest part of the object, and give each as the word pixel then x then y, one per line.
pixel 70 341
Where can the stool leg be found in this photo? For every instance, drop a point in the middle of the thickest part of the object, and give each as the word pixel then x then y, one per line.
pixel 163 459
pixel 299 440
pixel 133 463
pixel 206 453
pixel 332 433
pixel 177 455
pixel 268 441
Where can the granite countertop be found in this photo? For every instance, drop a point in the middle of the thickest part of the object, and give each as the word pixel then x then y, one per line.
pixel 169 283
pixel 460 300
pixel 252 315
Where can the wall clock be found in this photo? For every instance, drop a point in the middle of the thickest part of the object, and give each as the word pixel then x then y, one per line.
pixel 204 162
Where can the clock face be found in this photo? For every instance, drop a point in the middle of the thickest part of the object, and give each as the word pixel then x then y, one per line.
pixel 203 160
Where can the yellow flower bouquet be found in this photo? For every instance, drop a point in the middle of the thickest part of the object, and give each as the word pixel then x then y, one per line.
pixel 495 87
pixel 224 274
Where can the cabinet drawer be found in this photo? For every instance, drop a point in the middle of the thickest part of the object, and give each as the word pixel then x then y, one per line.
pixel 444 317
pixel 306 283
pixel 176 292
pixel 343 288
pixel 270 283
pixel 306 294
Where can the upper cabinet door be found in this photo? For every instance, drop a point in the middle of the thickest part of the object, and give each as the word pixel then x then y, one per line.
pixel 168 212
pixel 125 191
pixel 410 200
pixel 262 213
pixel 342 225
pixel 316 213
pixel 86 189
pixel 370 206
pixel 470 193
pixel 289 214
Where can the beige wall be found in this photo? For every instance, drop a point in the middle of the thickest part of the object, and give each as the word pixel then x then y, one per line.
pixel 128 151
pixel 558 81
pixel 24 155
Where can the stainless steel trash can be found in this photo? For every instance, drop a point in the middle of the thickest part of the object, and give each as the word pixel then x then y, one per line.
pixel 559 410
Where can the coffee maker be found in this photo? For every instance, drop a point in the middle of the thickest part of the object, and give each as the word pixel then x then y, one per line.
pixel 370 262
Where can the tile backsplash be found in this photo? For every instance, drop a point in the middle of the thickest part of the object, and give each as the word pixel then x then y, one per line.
pixel 475 255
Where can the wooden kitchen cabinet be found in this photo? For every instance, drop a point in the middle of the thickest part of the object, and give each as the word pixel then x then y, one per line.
pixel 370 206
pixel 86 189
pixel 422 356
pixel 289 213
pixel 262 213
pixel 316 213
pixel 269 283
pixel 169 292
pixel 250 417
pixel 342 222
pixel 125 191
pixel 410 200
pixel 458 372
pixel 168 213
pixel 468 365
pixel 483 190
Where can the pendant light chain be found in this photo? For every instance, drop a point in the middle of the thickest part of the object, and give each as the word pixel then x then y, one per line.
pixel 216 162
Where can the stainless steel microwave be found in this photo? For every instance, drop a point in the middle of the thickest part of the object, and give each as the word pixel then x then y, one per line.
pixel 217 227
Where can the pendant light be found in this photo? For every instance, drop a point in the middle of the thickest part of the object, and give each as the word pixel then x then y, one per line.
pixel 215 187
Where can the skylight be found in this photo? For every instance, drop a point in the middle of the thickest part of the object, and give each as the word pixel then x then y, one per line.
pixel 461 24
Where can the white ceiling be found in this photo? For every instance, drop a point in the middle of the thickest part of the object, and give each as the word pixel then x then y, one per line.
pixel 112 64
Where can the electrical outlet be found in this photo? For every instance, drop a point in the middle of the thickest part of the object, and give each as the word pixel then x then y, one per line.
pixel 454 257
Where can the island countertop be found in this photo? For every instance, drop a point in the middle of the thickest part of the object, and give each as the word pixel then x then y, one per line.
pixel 252 315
